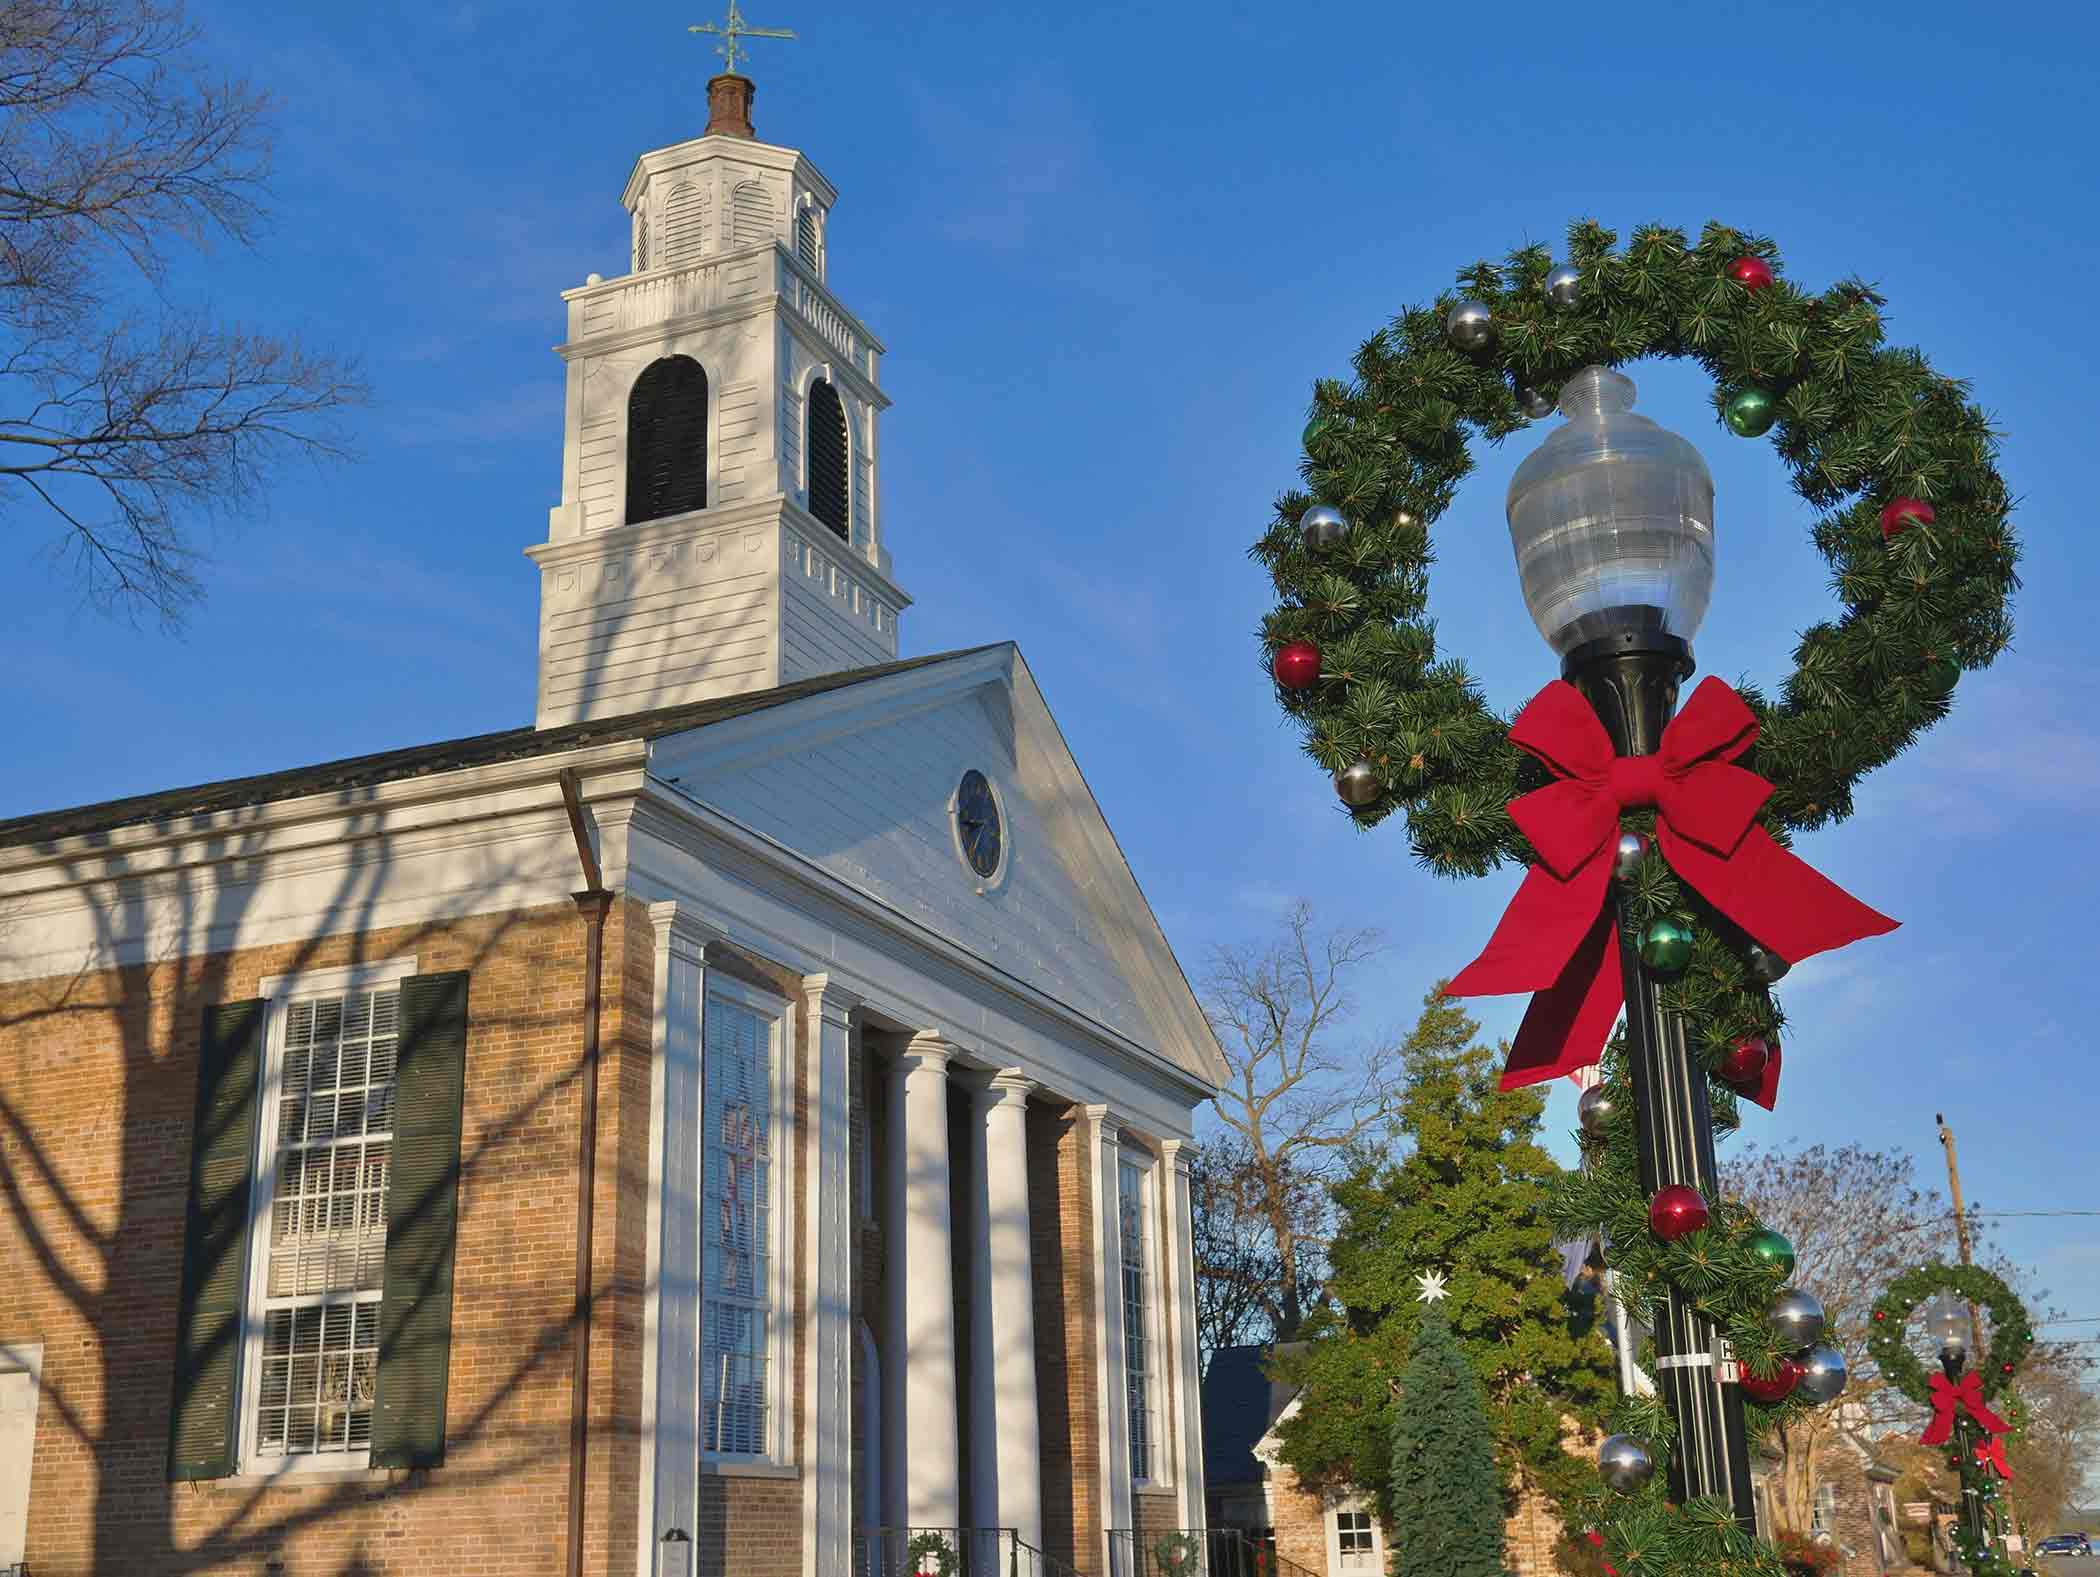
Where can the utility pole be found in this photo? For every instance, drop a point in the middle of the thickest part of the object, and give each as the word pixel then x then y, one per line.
pixel 1961 1228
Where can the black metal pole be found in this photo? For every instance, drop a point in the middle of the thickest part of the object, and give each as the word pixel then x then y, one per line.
pixel 1631 681
pixel 1967 1469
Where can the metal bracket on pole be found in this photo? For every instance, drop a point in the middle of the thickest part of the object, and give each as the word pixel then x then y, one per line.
pixel 1728 1370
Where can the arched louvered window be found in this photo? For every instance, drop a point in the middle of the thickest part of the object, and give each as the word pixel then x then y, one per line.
pixel 806 235
pixel 683 233
pixel 752 215
pixel 667 440
pixel 827 457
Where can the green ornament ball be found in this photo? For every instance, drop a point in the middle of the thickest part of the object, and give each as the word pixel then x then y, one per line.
pixel 1315 430
pixel 1942 674
pixel 1666 947
pixel 1751 413
pixel 1773 1250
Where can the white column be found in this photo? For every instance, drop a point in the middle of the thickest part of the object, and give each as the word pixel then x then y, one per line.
pixel 827 1392
pixel 920 1438
pixel 670 1401
pixel 1006 1465
pixel 1178 1275
pixel 1105 1135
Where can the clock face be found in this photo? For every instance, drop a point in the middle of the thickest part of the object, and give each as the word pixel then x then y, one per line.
pixel 977 820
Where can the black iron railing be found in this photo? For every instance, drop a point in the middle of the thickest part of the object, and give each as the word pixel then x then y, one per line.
pixel 1195 1552
pixel 951 1552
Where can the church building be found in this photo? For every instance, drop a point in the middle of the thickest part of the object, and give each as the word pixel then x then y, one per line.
pixel 738 1124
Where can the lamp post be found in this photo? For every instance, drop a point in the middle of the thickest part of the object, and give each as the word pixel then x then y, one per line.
pixel 1611 519
pixel 1947 1323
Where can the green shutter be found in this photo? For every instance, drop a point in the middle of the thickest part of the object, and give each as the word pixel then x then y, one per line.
pixel 215 1243
pixel 422 1212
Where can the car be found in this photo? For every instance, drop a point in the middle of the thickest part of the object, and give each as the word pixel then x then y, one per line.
pixel 2064 1544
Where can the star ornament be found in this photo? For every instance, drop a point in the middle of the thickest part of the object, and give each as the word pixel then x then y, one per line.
pixel 1432 1284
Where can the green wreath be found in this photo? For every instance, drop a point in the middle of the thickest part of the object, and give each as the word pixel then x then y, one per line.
pixel 936 1545
pixel 2012 1333
pixel 1177 1553
pixel 1914 527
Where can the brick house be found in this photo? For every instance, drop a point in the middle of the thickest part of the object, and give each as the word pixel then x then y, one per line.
pixel 1334 1532
pixel 1855 1508
pixel 730 1125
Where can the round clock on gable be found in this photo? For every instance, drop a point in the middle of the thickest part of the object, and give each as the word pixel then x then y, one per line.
pixel 977 825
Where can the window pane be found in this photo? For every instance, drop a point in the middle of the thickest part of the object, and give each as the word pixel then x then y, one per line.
pixel 1137 1362
pixel 736 1229
pixel 325 1250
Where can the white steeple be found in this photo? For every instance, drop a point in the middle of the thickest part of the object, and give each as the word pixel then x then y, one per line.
pixel 720 526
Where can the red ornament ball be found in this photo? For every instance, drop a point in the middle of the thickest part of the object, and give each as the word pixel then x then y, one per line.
pixel 2005 1368
pixel 1880 1315
pixel 1752 273
pixel 1899 514
pixel 1676 1211
pixel 1778 1388
pixel 1743 1064
pixel 1297 665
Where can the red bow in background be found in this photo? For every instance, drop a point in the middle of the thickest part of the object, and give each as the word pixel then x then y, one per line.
pixel 1557 938
pixel 1950 1397
pixel 1991 1453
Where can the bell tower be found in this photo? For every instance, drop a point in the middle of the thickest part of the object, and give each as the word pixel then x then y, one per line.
pixel 720 526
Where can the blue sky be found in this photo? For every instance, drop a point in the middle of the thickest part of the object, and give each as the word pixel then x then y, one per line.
pixel 1109 249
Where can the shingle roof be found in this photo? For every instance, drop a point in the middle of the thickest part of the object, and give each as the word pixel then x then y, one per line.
pixel 1239 1403
pixel 386 766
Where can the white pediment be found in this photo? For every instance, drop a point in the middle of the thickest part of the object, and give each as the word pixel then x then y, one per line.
pixel 861 781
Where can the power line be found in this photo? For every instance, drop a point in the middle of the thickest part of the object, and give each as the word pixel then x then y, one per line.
pixel 2033 1212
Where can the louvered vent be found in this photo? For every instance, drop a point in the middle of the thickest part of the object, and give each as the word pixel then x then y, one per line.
pixel 684 228
pixel 667 440
pixel 827 457
pixel 754 214
pixel 806 236
pixel 641 243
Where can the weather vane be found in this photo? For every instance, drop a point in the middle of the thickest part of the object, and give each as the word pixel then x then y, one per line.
pixel 729 49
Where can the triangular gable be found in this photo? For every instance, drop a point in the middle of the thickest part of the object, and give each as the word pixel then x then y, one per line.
pixel 860 781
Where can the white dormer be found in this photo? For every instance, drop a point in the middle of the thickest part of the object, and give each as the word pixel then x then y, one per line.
pixel 720 527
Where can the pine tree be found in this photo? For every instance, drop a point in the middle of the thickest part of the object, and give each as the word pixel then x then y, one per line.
pixel 1466 1196
pixel 1446 1493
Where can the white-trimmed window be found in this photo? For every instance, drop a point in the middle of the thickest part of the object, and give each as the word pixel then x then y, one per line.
pixel 317 1262
pixel 1354 1531
pixel 1824 1517
pixel 743 1226
pixel 1140 1365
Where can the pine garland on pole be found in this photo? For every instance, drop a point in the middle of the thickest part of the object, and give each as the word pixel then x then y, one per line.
pixel 1446 1492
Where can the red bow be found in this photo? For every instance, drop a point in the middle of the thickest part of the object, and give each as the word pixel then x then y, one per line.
pixel 1991 1453
pixel 1948 1398
pixel 1557 937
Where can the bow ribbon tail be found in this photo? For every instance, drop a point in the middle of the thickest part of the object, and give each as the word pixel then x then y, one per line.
pixel 1991 1453
pixel 1555 939
pixel 1779 899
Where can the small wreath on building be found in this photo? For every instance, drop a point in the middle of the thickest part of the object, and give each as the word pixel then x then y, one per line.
pixel 933 1546
pixel 2011 1331
pixel 1177 1553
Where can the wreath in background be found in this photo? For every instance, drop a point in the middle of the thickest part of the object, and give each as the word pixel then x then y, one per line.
pixel 934 1546
pixel 1914 525
pixel 1177 1553
pixel 2012 1333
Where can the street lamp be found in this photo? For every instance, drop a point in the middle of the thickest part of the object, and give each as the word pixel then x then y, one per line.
pixel 1947 1323
pixel 1612 522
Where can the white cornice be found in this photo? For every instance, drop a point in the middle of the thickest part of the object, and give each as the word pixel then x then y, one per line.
pixel 725 149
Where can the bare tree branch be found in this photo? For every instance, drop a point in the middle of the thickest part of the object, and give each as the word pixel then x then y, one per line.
pixel 118 425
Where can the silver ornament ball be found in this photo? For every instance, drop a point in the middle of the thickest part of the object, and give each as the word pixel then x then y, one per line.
pixel 1766 965
pixel 1625 1464
pixel 1595 1109
pixel 1564 285
pixel 1470 326
pixel 1533 404
pixel 1626 857
pixel 1796 1318
pixel 1357 784
pixel 1323 526
pixel 1822 1375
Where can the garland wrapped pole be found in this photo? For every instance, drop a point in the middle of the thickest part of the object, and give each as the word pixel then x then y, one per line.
pixel 1659 875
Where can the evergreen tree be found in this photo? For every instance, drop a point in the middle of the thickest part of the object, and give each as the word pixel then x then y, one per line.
pixel 1465 1195
pixel 1446 1492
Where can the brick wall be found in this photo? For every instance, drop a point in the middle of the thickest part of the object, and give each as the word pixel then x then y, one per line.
pixel 1067 1332
pixel 98 1078
pixel 1299 1518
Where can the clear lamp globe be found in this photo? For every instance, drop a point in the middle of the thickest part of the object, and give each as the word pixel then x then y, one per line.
pixel 1612 520
pixel 1948 1324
